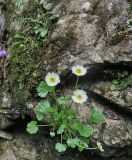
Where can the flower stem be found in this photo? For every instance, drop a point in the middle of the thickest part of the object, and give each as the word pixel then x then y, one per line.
pixel 44 125
pixel 76 82
pixel 71 132
pixel 61 138
pixel 69 136
pixel 55 98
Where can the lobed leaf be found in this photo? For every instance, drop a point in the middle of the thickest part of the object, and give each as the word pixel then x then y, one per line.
pixel 41 31
pixel 57 116
pixel 52 134
pixel 32 127
pixel 61 129
pixel 43 106
pixel 60 147
pixel 86 131
pixel 97 115
pixel 21 4
pixel 39 116
pixel 64 100
pixel 71 114
pixel 76 126
pixel 43 89
pixel 72 142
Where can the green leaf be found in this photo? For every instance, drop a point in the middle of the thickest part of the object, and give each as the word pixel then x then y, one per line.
pixel 43 89
pixel 42 108
pixel 52 134
pixel 72 142
pixel 57 116
pixel 60 147
pixel 76 140
pixel 113 87
pixel 43 32
pixel 64 100
pixel 32 127
pixel 37 31
pixel 39 116
pixel 21 5
pixel 76 125
pixel 86 131
pixel 61 129
pixel 52 110
pixel 97 115
pixel 71 114
pixel 82 146
pixel 129 79
pixel 122 85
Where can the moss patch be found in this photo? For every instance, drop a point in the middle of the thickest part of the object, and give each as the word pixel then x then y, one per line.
pixel 30 53
pixel 27 52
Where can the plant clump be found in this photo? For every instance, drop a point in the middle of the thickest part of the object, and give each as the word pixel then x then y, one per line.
pixel 63 118
pixel 122 82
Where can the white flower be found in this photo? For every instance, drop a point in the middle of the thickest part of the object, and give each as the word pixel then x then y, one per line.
pixel 79 96
pixel 100 146
pixel 79 70
pixel 52 79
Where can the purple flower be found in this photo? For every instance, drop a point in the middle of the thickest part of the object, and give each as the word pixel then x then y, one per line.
pixel 3 53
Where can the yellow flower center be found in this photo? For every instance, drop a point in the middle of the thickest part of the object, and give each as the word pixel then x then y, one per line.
pixel 78 70
pixel 52 79
pixel 79 96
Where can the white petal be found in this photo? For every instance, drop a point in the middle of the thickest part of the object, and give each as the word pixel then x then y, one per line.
pixel 54 75
pixel 79 92
pixel 80 67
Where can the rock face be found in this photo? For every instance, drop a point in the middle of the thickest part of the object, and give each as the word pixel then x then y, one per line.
pixel 33 148
pixel 120 97
pixel 116 132
pixel 92 33
pixel 39 147
pixel 98 32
